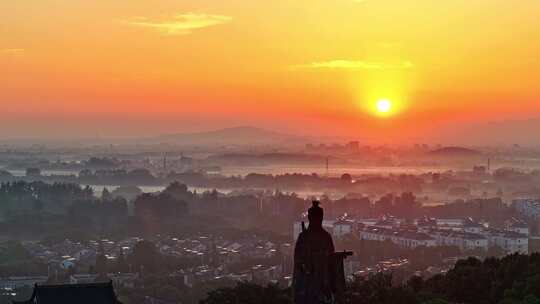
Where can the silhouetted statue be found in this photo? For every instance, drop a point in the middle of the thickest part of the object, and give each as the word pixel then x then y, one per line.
pixel 318 271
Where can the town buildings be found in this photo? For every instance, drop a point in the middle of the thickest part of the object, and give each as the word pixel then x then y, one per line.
pixel 464 234
pixel 529 208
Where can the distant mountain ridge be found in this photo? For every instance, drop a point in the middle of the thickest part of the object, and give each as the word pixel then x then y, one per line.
pixel 454 151
pixel 505 132
pixel 243 135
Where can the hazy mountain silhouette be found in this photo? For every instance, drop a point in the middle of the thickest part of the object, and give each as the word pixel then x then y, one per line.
pixel 244 135
pixel 506 132
pixel 454 151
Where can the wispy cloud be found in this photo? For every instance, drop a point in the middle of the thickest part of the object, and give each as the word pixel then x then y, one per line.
pixel 356 65
pixel 180 24
pixel 11 51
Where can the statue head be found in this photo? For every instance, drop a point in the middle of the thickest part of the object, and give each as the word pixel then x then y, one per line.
pixel 315 215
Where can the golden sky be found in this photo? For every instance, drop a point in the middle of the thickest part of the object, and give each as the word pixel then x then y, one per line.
pixel 132 67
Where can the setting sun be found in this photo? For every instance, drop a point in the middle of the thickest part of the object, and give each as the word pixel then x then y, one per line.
pixel 384 106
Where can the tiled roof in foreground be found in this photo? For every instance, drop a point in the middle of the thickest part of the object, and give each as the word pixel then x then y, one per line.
pixel 102 293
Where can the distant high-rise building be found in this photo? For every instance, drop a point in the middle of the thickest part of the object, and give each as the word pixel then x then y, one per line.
pixel 327 169
pixel 353 146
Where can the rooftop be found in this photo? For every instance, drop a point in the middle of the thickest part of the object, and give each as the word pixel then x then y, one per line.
pixel 102 293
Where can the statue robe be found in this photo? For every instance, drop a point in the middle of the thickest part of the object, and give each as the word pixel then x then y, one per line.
pixel 312 278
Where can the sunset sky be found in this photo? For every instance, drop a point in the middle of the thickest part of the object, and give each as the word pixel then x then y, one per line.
pixel 136 68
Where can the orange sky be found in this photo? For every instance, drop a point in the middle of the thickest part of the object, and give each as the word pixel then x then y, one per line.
pixel 132 67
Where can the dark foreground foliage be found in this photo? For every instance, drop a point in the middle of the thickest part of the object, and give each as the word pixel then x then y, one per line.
pixel 514 279
pixel 249 294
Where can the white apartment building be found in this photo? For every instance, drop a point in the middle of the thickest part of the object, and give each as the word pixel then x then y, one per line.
pixel 519 227
pixel 450 223
pixel 402 238
pixel 472 227
pixel 342 228
pixel 388 223
pixel 463 240
pixel 412 239
pixel 511 242
pixel 367 222
pixel 527 207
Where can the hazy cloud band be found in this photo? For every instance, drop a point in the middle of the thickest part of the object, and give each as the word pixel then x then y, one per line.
pixel 180 24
